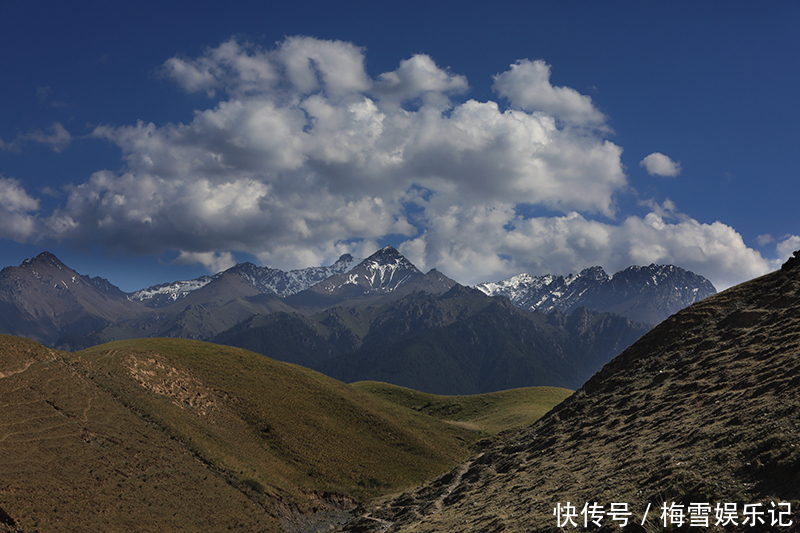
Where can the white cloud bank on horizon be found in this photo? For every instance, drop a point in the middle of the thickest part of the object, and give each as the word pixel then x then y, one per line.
pixel 477 238
pixel 304 157
pixel 658 164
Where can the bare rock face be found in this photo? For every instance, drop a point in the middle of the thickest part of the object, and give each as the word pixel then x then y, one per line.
pixel 704 409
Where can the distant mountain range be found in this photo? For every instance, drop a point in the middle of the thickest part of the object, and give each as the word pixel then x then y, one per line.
pixel 380 318
pixel 455 342
pixel 642 293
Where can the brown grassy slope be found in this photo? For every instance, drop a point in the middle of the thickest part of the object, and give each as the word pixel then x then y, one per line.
pixel 705 408
pixel 288 429
pixel 72 458
pixel 180 435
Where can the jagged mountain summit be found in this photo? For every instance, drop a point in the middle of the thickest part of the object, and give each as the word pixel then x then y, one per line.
pixel 646 294
pixel 384 274
pixel 267 280
pixel 703 412
pixel 47 301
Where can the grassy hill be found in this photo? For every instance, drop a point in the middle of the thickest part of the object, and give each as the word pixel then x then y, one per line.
pixel 181 435
pixel 490 413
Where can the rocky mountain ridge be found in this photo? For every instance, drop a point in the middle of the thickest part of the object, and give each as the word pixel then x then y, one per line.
pixel 42 298
pixel 455 342
pixel 643 293
pixel 385 275
pixel 266 280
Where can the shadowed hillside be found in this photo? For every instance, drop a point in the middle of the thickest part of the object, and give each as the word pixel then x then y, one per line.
pixel 704 409
pixel 456 342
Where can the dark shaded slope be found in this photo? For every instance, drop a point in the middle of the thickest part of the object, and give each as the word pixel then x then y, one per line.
pixel 495 348
pixel 705 408
pixel 491 350
pixel 289 337
pixel 312 340
pixel 458 342
pixel 220 305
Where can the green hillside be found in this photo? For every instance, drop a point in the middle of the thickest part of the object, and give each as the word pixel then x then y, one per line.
pixel 271 424
pixel 491 412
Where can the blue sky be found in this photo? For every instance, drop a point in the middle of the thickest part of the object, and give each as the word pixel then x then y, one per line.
pixel 151 142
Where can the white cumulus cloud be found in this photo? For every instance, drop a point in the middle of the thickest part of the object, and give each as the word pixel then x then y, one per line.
pixel 303 151
pixel 17 211
pixel 480 243
pixel 527 86
pixel 657 164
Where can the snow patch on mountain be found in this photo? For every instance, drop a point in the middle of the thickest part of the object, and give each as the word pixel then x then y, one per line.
pixel 266 280
pixel 170 292
pixel 647 293
pixel 385 271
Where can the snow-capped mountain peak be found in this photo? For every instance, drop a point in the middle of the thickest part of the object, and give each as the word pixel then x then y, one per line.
pixel 387 269
pixel 643 293
pixel 166 293
pixel 383 271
